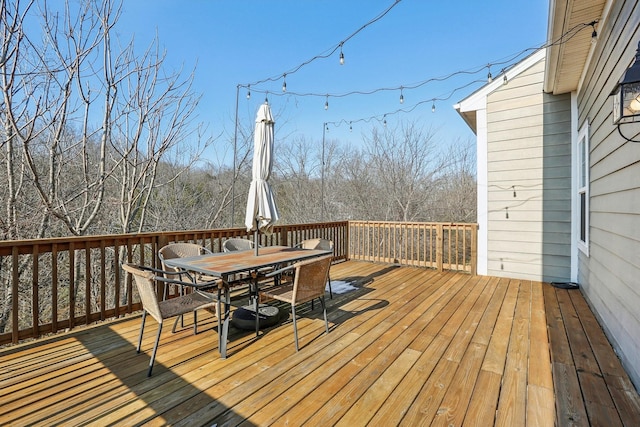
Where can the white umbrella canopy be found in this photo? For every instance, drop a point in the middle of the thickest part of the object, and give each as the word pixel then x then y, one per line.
pixel 262 211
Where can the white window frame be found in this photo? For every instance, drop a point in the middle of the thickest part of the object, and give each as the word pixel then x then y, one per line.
pixel 582 187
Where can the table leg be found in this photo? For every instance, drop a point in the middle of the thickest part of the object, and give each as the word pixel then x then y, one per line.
pixel 256 303
pixel 225 327
pixel 219 315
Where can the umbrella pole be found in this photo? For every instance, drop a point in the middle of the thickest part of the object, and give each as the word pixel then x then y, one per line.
pixel 255 238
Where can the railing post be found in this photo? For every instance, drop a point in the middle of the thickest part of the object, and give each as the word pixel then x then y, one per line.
pixel 439 246
pixel 161 241
pixel 346 241
pixel 15 282
pixel 474 249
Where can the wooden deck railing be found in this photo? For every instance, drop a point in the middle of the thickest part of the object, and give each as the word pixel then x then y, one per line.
pixel 49 285
pixel 444 246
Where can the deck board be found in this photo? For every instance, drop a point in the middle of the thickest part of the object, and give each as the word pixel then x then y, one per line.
pixel 410 346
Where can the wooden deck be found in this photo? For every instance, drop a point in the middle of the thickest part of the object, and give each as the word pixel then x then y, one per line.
pixel 409 347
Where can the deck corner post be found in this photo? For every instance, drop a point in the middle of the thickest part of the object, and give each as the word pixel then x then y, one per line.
pixel 439 246
pixel 474 250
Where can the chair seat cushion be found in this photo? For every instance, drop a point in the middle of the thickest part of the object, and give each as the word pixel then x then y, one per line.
pixel 187 303
pixel 283 292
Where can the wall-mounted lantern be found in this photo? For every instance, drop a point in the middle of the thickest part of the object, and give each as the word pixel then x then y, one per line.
pixel 626 96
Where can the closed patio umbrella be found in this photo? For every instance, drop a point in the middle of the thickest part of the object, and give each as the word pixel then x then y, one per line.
pixel 262 212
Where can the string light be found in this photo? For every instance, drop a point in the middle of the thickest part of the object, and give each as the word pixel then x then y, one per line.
pixel 401 96
pixel 326 103
pixel 381 117
pixel 350 127
pixel 331 51
pixel 249 92
pixel 433 106
pixel 594 33
pixel 489 76
pixel 504 77
pixel 284 82
pixel 341 54
pixel 384 120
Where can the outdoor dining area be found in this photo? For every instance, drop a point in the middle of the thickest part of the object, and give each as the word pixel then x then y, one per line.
pixel 221 273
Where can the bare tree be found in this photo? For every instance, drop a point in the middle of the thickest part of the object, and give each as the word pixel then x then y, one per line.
pixel 18 119
pixel 297 180
pixel 353 187
pixel 405 165
pixel 151 123
pixel 456 193
pixel 47 100
pixel 60 80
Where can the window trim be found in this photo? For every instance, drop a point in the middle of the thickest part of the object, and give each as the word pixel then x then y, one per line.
pixel 582 189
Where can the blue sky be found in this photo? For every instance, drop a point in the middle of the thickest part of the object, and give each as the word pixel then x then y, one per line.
pixel 242 41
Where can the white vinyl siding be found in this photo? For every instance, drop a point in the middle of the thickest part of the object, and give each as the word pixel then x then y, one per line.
pixel 529 180
pixel 610 276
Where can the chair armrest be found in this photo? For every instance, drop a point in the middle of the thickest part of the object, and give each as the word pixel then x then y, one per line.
pixel 160 271
pixel 208 284
pixel 172 273
pixel 280 271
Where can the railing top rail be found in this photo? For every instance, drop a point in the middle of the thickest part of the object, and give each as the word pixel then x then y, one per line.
pixel 24 245
pixel 221 231
pixel 468 224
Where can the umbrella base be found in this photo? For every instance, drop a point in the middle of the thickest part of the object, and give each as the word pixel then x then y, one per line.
pixel 245 317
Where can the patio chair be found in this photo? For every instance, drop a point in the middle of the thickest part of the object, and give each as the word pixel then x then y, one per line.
pixel 309 281
pixel 181 250
pixel 146 279
pixel 236 244
pixel 323 244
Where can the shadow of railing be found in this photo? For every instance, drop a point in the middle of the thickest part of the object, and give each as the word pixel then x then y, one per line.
pixel 103 380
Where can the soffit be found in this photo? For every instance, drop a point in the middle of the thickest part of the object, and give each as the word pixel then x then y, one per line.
pixel 566 60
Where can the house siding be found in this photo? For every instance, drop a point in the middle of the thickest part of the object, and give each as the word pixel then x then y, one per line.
pixel 529 180
pixel 610 275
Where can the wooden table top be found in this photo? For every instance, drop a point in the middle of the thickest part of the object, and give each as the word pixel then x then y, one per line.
pixel 226 263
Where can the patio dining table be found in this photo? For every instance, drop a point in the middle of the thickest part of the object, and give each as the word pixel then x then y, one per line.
pixel 228 265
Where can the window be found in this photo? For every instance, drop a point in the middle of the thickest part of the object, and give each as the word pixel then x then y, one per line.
pixel 583 188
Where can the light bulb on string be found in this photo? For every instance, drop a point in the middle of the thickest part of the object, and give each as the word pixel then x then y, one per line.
pixel 594 33
pixel 433 107
pixel 350 127
pixel 284 82
pixel 401 96
pixel 326 103
pixel 489 76
pixel 384 120
pixel 341 55
pixel 504 78
pixel 249 92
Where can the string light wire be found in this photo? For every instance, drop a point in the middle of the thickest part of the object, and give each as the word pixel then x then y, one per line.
pixel 506 62
pixel 329 52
